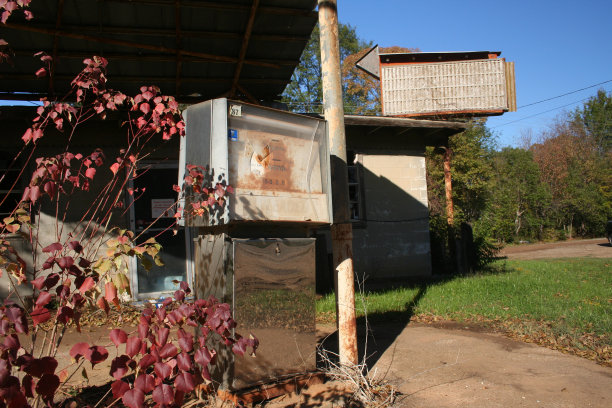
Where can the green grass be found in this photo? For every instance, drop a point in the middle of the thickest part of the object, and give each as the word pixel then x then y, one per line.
pixel 573 296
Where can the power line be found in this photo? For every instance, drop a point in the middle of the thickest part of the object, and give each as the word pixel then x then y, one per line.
pixel 565 94
pixel 541 113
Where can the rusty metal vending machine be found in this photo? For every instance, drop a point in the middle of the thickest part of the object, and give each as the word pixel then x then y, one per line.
pixel 258 253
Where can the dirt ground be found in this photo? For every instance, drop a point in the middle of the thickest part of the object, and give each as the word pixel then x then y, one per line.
pixel 447 365
pixel 590 248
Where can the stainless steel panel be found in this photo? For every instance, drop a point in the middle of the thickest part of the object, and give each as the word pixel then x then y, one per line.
pixel 270 284
pixel 277 162
pixel 274 298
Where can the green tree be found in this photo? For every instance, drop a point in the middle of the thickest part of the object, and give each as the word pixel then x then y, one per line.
pixel 471 173
pixel 305 92
pixel 519 200
pixel 361 92
pixel 471 176
pixel 595 116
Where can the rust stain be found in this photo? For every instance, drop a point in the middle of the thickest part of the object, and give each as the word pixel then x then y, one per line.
pixel 277 170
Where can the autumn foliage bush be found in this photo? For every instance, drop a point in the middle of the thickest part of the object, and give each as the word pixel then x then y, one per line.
pixel 85 264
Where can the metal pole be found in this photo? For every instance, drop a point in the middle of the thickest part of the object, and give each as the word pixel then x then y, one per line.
pixel 454 243
pixel 448 186
pixel 341 229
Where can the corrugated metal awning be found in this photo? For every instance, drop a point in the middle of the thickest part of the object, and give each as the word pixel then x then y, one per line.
pixel 194 50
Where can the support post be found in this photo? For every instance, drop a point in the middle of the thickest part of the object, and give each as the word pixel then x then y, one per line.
pixel 454 243
pixel 341 229
pixel 448 187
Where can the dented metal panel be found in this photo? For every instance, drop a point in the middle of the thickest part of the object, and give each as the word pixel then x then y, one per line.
pixel 277 162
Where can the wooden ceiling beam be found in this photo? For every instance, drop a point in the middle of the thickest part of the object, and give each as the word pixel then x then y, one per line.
pixel 160 32
pixel 177 30
pixel 245 45
pixel 131 44
pixel 141 57
pixel 222 5
pixel 152 79
pixel 58 24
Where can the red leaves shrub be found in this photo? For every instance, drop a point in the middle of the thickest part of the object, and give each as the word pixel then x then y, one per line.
pixel 168 368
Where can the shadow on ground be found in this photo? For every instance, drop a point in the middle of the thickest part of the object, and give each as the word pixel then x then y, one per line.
pixel 378 332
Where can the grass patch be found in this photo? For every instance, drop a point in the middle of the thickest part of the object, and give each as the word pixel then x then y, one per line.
pixel 561 302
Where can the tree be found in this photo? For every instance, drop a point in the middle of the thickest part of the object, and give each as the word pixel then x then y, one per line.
pixel 577 173
pixel 519 200
pixel 471 178
pixel 595 117
pixel 305 92
pixel 361 92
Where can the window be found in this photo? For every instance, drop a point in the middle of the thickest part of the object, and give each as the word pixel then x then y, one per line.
pixel 9 176
pixel 354 186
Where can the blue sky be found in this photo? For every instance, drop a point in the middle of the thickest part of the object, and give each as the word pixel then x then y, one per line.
pixel 557 46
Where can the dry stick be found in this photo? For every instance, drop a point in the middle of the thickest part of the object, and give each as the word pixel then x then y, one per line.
pixel 103 398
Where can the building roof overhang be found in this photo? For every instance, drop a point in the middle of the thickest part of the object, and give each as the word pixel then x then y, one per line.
pixel 193 50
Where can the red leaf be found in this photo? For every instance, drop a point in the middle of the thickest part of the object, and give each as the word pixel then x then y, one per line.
pixel 184 362
pixel 47 385
pixel 96 354
pixel 133 346
pixel 118 336
pixel 145 108
pixel 134 398
pixel 184 382
pixel 43 299
pixel 162 336
pixel 40 315
pixel 162 370
pixel 110 292
pixel 87 284
pixel 119 367
pixel 41 72
pixel 65 314
pixel 145 382
pixel 169 350
pixel 114 168
pixel 29 386
pixel 119 388
pixel 27 136
pixel 11 342
pixel 143 330
pixel 75 246
pixel 186 343
pixel 65 262
pixel 163 394
pixel 51 280
pixel 103 304
pixel 90 173
pixel 79 350
pixel 202 356
pixel 56 246
pixel 38 367
pixel 38 282
pixel 179 295
pixel 146 361
pixel 50 188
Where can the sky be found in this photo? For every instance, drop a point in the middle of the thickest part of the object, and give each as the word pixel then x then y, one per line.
pixel 557 46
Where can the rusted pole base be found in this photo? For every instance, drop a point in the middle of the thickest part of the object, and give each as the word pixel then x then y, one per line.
pixel 342 244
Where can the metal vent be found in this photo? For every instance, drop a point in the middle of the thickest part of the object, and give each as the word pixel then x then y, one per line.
pixel 448 87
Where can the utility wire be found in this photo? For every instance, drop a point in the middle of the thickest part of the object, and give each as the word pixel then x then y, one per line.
pixel 541 113
pixel 565 94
